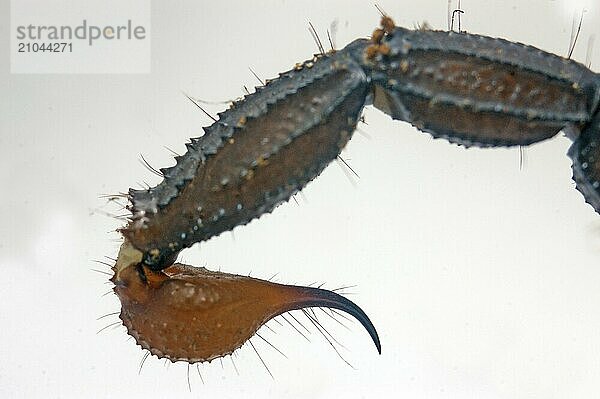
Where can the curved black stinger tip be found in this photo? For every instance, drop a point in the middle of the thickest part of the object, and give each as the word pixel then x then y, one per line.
pixel 317 297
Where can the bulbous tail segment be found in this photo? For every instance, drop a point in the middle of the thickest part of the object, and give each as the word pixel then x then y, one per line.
pixel 585 153
pixel 187 313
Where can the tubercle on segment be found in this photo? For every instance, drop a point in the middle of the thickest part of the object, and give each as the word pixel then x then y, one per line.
pixel 186 313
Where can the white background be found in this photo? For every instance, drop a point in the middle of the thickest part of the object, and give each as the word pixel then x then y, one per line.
pixel 482 278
